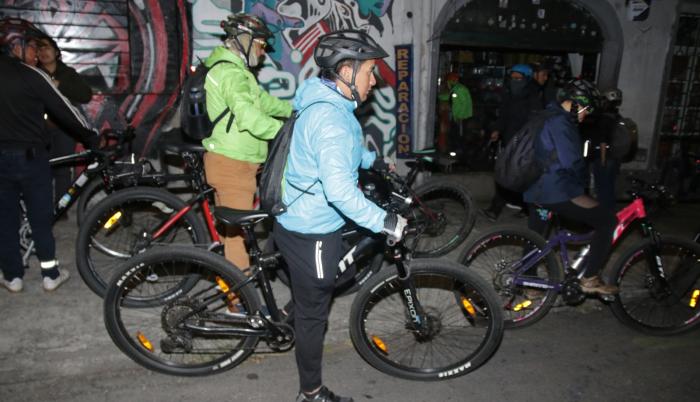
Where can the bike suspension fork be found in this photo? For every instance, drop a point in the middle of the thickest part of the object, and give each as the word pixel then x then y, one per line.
pixel 408 290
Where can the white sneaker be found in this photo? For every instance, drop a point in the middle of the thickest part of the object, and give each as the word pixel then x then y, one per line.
pixel 14 285
pixel 52 284
pixel 513 206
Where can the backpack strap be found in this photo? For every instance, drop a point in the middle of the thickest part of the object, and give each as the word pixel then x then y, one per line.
pixel 303 191
pixel 227 110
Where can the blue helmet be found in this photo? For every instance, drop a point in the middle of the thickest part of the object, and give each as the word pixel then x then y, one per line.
pixel 523 69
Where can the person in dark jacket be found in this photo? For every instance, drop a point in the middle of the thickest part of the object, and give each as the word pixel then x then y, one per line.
pixel 73 87
pixel 561 187
pixel 28 94
pixel 520 102
pixel 604 165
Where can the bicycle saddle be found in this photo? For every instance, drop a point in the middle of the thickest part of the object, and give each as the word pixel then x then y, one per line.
pixel 240 217
pixel 178 148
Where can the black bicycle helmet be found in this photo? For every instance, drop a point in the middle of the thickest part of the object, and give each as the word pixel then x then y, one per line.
pixel 243 23
pixel 612 95
pixel 336 47
pixel 581 92
pixel 17 29
pixel 343 45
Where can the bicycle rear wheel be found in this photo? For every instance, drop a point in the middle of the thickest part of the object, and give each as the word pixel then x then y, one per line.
pixel 181 330
pixel 445 213
pixel 496 256
pixel 123 224
pixel 653 305
pixel 464 323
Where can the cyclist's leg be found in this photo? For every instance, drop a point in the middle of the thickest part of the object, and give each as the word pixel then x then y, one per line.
pixel 235 185
pixel 313 265
pixel 36 190
pixel 603 222
pixel 10 258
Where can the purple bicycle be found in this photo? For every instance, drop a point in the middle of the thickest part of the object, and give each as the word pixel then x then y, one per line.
pixel 659 277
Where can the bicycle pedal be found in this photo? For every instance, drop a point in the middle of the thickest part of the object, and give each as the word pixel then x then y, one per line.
pixel 607 298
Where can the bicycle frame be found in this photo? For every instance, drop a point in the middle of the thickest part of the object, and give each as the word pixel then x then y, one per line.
pixel 625 217
pixel 264 263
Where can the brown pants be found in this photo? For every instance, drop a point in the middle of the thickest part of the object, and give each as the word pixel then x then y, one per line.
pixel 234 182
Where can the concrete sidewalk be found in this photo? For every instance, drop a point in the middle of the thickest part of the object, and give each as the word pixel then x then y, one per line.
pixel 54 347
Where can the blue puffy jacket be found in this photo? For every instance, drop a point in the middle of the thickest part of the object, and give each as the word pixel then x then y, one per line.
pixel 326 151
pixel 564 178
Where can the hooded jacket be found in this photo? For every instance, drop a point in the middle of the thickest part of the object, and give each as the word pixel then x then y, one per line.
pixel 326 150
pixel 254 110
pixel 564 178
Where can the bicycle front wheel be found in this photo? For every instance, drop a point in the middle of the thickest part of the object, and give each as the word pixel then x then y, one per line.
pixel 461 317
pixel 124 224
pixel 496 257
pixel 175 329
pixel 655 305
pixel 93 192
pixel 444 211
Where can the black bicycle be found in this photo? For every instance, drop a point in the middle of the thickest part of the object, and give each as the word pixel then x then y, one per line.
pixel 186 311
pixel 101 174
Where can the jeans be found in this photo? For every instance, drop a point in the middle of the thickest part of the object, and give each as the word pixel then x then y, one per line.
pixel 25 174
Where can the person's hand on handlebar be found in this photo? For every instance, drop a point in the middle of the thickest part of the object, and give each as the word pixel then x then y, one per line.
pixel 92 141
pixel 394 226
pixel 384 164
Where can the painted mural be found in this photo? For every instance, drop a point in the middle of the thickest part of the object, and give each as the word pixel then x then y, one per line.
pixel 297 25
pixel 135 53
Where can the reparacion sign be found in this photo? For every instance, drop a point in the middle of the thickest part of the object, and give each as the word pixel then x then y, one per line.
pixel 404 68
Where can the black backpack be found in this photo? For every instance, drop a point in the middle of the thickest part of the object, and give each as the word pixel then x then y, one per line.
pixel 518 166
pixel 623 140
pixel 270 185
pixel 194 120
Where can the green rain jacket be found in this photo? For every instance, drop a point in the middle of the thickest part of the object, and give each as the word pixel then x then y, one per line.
pixel 233 85
pixel 460 100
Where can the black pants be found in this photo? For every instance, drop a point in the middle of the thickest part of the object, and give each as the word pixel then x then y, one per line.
pixel 604 177
pixel 600 218
pixel 313 266
pixel 61 144
pixel 501 197
pixel 27 174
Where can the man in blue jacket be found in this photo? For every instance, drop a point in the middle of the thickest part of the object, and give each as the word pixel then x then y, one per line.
pixel 561 187
pixel 320 191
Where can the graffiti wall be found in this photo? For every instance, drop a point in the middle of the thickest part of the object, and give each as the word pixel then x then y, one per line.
pixel 132 53
pixel 135 53
pixel 297 25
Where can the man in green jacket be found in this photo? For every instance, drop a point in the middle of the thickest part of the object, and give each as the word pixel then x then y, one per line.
pixel 460 109
pixel 238 143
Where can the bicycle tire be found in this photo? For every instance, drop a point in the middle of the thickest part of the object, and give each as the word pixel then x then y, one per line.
pixel 153 336
pixel 449 222
pixel 99 250
pixel 643 304
pixel 93 192
pixel 492 255
pixel 458 342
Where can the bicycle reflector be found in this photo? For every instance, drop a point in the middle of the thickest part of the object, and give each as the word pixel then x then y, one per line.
pixel 144 341
pixel 694 298
pixel 379 343
pixel 112 220
pixel 468 306
pixel 520 306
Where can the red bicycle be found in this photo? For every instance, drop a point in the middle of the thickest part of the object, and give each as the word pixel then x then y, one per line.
pixel 130 221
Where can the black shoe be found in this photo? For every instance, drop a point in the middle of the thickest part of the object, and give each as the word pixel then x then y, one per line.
pixel 323 395
pixel 490 215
